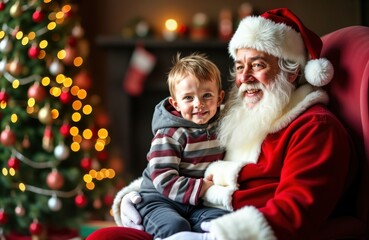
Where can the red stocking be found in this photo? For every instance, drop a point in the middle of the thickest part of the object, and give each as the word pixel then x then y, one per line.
pixel 141 64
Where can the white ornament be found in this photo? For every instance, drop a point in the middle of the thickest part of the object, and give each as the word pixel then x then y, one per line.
pixel 61 151
pixel 19 210
pixel 6 45
pixel 44 115
pixel 3 65
pixel 78 31
pixel 142 29
pixel 56 67
pixel 54 203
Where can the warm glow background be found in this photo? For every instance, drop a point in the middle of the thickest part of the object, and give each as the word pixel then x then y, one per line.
pixel 109 16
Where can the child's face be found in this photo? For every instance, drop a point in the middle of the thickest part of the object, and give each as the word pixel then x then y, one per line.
pixel 197 102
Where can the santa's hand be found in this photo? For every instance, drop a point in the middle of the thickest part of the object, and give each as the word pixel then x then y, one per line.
pixel 205 226
pixel 129 214
pixel 220 197
pixel 189 235
pixel 224 173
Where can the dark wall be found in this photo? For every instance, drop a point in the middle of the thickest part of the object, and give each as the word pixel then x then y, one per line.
pixel 131 117
pixel 108 17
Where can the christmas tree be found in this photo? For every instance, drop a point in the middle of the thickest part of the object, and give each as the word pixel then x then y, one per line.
pixel 53 154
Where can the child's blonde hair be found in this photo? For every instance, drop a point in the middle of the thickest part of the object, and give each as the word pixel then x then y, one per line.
pixel 197 65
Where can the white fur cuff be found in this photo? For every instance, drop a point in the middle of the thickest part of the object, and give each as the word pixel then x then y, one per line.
pixel 219 197
pixel 246 223
pixel 133 186
pixel 225 173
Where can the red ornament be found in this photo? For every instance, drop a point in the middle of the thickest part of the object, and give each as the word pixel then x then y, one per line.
pixel 3 217
pixel 68 14
pixel 86 163
pixel 70 55
pixel 102 118
pixel 35 228
pixel 47 139
pixel 55 180
pixel 66 97
pixel 94 131
pixel 83 80
pixel 26 143
pixel 64 130
pixel 2 5
pixel 103 155
pixel 37 91
pixel 33 51
pixel 7 137
pixel 4 97
pixel 72 41
pixel 13 162
pixel 182 30
pixel 81 200
pixel 38 16
pixel 108 200
pixel 87 144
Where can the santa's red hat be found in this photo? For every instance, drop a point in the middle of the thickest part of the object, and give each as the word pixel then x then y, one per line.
pixel 280 32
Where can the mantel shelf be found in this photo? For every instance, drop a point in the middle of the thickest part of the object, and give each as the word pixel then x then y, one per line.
pixel 117 41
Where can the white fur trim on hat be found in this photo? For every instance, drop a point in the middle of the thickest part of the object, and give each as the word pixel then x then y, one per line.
pixel 279 32
pixel 267 36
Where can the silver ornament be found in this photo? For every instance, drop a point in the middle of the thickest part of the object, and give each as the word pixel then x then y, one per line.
pixel 6 45
pixel 56 67
pixel 61 152
pixel 54 203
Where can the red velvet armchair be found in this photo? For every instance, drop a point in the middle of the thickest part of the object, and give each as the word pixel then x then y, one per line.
pixel 348 50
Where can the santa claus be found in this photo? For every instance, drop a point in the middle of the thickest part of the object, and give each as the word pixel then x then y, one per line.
pixel 288 157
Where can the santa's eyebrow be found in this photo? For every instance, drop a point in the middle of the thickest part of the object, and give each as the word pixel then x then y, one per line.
pixel 255 58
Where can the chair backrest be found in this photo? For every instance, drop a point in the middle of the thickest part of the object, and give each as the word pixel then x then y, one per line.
pixel 348 50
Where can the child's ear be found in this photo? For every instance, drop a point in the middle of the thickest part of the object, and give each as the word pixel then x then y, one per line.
pixel 221 97
pixel 174 103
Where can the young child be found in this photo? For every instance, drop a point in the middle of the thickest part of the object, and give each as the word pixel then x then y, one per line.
pixel 184 144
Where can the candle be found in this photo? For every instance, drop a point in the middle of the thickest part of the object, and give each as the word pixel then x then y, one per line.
pixel 170 31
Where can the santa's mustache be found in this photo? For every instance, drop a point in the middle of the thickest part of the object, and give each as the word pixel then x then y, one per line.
pixel 249 87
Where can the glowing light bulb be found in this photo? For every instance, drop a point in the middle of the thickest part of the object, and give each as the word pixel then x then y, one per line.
pixel 170 31
pixel 171 24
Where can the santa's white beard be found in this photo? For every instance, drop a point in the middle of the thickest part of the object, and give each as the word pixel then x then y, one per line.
pixel 241 126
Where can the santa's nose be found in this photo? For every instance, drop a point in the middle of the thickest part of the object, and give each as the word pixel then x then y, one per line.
pixel 247 77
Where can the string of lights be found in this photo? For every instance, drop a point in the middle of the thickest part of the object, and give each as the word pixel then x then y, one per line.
pixel 48 192
pixel 33 164
pixel 22 81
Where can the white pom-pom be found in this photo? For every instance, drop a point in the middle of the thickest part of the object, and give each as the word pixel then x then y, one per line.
pixel 319 72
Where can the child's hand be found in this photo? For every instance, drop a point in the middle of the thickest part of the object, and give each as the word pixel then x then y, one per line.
pixel 209 177
pixel 208 182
